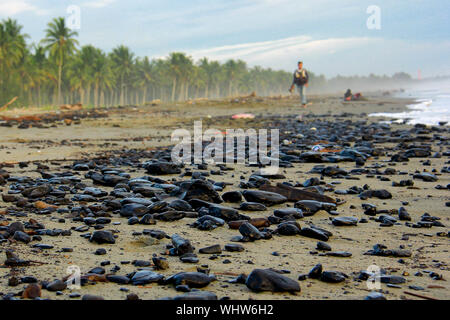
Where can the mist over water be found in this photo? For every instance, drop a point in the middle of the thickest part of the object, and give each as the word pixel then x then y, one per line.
pixel 432 105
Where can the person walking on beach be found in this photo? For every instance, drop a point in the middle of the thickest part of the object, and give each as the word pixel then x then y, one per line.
pixel 300 80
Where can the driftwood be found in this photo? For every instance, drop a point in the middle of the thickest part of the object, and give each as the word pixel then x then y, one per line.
pixel 9 103
pixel 294 194
pixel 20 119
pixel 419 295
pixel 71 107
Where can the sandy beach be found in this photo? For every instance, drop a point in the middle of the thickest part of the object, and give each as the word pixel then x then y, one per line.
pixel 145 128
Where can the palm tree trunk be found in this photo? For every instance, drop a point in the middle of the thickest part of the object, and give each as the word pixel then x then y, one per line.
pixel 59 74
pixel 88 95
pixel 59 83
pixel 82 95
pixel 102 98
pixel 96 94
pixel 174 85
pixel 39 95
pixel 144 95
pixel 121 92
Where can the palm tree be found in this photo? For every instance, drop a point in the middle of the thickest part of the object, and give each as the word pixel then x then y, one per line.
pixel 181 67
pixel 40 62
pixel 60 42
pixel 145 76
pixel 12 51
pixel 102 77
pixel 87 57
pixel 123 60
pixel 234 70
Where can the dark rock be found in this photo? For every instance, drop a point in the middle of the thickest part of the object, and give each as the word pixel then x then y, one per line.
pixel 314 233
pixel 189 258
pixel 323 246
pixel 225 213
pixel 252 206
pixel 181 245
pixel 345 221
pixel 211 249
pixel 133 209
pixel 15 226
pixel 160 263
pixel 264 197
pixel 169 215
pixel 332 276
pixel 315 272
pixel 201 190
pixel 289 212
pixel 375 296
pixel 100 251
pixel 37 192
pixel 101 237
pixel 425 176
pixel 191 279
pixel 380 194
pixel 249 231
pixel 180 205
pixel 147 219
pixel 310 207
pixel 269 280
pixel 97 270
pixel 232 196
pixel 144 277
pixel 403 214
pixel 392 279
pixel 339 254
pixel 234 247
pixel 133 220
pixel 288 229
pixel 117 279
pixel 21 236
pixel 56 285
pixel 162 168
pixel 141 263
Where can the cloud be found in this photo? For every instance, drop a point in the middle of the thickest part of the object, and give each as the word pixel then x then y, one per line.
pixel 283 53
pixel 13 7
pixel 98 3
pixel 338 55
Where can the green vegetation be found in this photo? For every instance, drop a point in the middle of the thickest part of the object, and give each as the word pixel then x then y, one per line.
pixel 57 71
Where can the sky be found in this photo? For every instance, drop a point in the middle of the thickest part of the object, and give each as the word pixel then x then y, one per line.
pixel 345 37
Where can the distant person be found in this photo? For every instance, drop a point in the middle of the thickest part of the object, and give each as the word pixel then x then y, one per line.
pixel 300 80
pixel 348 95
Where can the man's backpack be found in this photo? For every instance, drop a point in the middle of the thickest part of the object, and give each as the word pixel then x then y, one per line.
pixel 301 77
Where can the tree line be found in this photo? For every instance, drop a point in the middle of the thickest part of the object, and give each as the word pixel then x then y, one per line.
pixel 57 70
